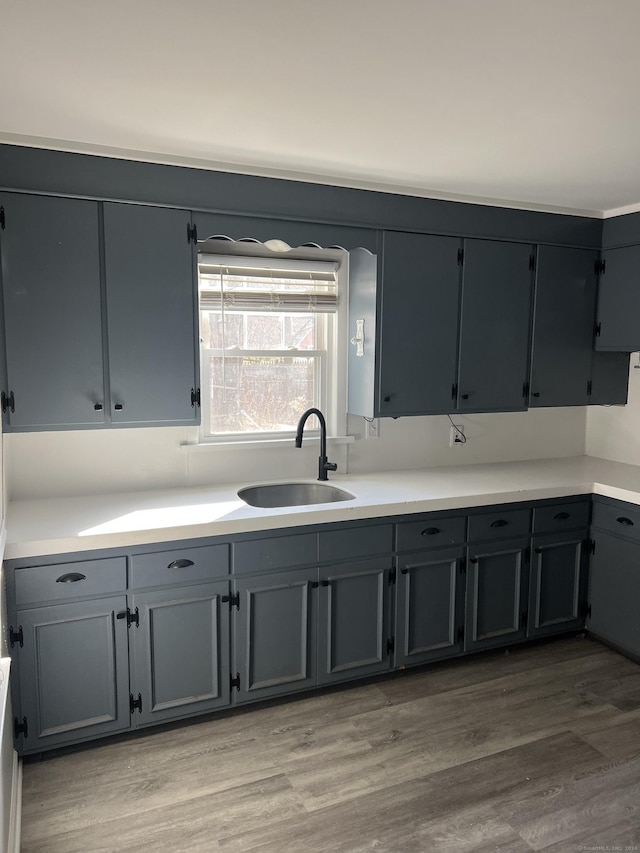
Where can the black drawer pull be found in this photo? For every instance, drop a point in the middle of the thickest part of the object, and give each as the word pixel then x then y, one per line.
pixel 98 407
pixel 118 407
pixel 71 577
pixel 430 531
pixel 180 564
pixel 499 522
pixel 560 516
pixel 624 520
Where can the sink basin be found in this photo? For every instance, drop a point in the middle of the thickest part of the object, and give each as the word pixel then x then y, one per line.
pixel 293 494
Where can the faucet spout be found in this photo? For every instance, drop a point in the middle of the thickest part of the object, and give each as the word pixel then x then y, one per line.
pixel 323 464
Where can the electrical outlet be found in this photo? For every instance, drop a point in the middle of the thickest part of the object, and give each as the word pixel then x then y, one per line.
pixel 372 428
pixel 456 436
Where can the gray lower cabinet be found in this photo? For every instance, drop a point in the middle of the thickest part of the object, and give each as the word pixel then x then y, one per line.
pixel 614 591
pixel 354 626
pixel 274 628
pixel 73 673
pixel 496 594
pixel 180 651
pixel 429 606
pixel 557 591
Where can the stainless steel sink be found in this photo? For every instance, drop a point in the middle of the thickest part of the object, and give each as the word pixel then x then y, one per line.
pixel 293 494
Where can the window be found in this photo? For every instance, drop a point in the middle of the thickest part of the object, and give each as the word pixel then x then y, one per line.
pixel 268 340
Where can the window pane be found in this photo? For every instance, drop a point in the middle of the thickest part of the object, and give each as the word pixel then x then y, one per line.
pixel 253 393
pixel 300 331
pixel 211 330
pixel 264 331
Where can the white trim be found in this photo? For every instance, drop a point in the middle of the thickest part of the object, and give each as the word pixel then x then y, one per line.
pixel 15 823
pixel 264 443
pixel 621 211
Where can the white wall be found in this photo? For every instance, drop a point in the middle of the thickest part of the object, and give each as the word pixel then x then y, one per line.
pixel 49 464
pixel 614 432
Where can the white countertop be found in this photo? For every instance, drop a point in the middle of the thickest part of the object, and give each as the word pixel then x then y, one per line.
pixel 62 525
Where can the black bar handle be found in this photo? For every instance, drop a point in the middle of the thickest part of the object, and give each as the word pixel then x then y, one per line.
pixel 430 531
pixel 180 564
pixel 119 407
pixel 624 520
pixel 561 516
pixel 98 407
pixel 499 522
pixel 71 577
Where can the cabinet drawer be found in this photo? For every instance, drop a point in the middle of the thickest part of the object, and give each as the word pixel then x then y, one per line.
pixel 355 542
pixel 623 520
pixel 182 565
pixel 501 524
pixel 278 552
pixel 70 580
pixel 431 533
pixel 548 519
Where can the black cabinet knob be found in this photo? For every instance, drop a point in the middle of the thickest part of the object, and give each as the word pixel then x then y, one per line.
pixel 98 407
pixel 387 399
pixel 119 407
pixel 535 394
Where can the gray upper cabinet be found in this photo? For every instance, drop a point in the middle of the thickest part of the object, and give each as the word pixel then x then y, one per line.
pixel 609 378
pixel 564 319
pixel 52 310
pixel 151 315
pixel 418 335
pixel 495 326
pixel 619 300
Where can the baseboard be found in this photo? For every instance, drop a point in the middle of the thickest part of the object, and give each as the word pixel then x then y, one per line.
pixel 15 817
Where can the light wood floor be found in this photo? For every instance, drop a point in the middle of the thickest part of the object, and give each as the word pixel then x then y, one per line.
pixel 538 749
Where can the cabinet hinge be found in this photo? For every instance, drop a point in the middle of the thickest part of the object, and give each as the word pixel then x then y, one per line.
pixel 192 234
pixel 391 644
pixel 600 267
pixel 589 388
pixel 7 402
pixel 525 390
pixel 597 329
pixel 135 703
pixel 16 636
pixel 460 257
pixel 527 553
pixel 586 610
pixel 234 600
pixel 20 728
pixel 454 390
pixel 132 618
pixel 532 262
pixel 235 682
pixel 524 619
pixel 392 577
pixel 2 218
pixel 463 565
pixel 195 397
pixel 460 634
pixel 591 546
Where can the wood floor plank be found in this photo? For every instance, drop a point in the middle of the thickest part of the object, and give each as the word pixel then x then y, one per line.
pixel 527 752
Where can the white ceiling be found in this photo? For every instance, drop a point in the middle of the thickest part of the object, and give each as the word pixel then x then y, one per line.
pixel 533 103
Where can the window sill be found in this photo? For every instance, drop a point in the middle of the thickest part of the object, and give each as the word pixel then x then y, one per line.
pixel 251 444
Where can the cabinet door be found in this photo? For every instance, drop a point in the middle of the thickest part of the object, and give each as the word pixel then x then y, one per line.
pixel 430 598
pixel 152 315
pixel 181 651
pixel 353 621
pixel 52 310
pixel 495 326
pixel 496 594
pixel 73 671
pixel 614 592
pixel 419 323
pixel 609 378
pixel 619 300
pixel 274 633
pixel 557 585
pixel 564 317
